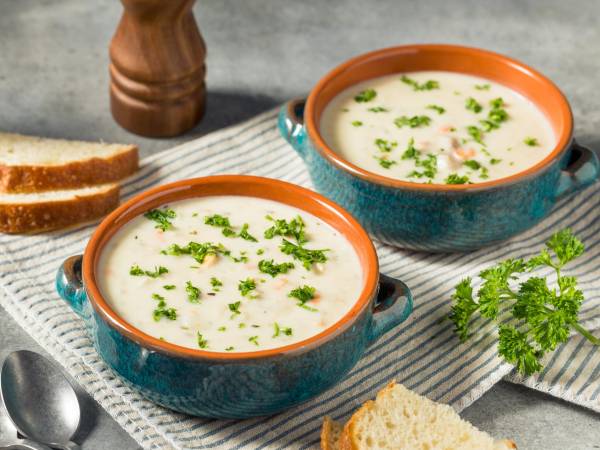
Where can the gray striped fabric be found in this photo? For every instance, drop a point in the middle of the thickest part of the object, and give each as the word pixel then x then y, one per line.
pixel 423 353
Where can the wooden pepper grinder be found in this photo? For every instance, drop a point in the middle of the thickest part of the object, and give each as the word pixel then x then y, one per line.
pixel 157 68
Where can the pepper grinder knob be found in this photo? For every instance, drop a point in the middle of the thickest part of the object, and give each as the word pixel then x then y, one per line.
pixel 157 68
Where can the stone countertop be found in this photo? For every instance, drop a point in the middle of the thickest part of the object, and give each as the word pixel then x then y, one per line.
pixel 54 78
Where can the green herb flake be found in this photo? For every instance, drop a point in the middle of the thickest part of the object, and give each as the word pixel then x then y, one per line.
pixel 412 122
pixel 427 86
pixel 436 108
pixel 242 325
pixel 476 133
pixel 254 340
pixel 385 146
pixel 495 161
pixel 378 109
pixel 473 105
pixel 531 141
pixel 161 217
pixel 483 87
pixel 365 96
pixel 216 220
pixel 246 286
pixel 277 330
pixel 306 256
pixel 294 228
pixel 169 287
pixel 162 310
pixel 202 343
pixel 357 123
pixel 193 292
pixel 268 266
pixel 411 152
pixel 245 235
pixel 137 271
pixel 222 328
pixel 216 284
pixel 472 164
pixel 303 294
pixel 384 162
pixel 198 251
pixel 229 349
pixel 234 308
pixel 454 178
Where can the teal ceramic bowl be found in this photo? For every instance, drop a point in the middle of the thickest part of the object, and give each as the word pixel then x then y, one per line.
pixel 234 385
pixel 435 217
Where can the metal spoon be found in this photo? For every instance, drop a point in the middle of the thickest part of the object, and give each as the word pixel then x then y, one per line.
pixel 39 399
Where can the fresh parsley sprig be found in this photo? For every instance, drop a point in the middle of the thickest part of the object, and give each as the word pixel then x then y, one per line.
pixel 543 316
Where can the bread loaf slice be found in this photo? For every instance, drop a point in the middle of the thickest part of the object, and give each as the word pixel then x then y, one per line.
pixel 35 164
pixel 401 419
pixel 25 213
pixel 330 434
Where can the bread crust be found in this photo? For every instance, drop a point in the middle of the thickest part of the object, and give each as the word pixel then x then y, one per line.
pixel 43 216
pixel 73 175
pixel 326 433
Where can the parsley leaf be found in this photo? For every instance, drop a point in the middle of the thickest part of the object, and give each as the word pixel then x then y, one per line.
pixel 268 266
pixel 365 96
pixel 385 146
pixel 161 217
pixel 357 123
pixel 412 122
pixel 198 251
pixel 162 310
pixel 304 294
pixel 202 343
pixel 193 292
pixel 427 86
pixel 294 228
pixel 234 308
pixel 377 109
pixel 246 286
pixel 454 178
pixel 473 105
pixel 137 271
pixel 531 141
pixel 306 256
pixel 542 316
pixel 438 109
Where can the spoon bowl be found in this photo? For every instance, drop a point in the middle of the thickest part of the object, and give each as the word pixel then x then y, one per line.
pixel 39 399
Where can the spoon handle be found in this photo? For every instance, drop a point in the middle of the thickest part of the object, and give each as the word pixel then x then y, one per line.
pixel 25 444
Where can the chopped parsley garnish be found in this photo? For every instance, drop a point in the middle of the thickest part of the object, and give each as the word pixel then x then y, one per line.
pixel 483 87
pixel 161 217
pixel 246 286
pixel 137 271
pixel 365 96
pixel 429 165
pixel 303 294
pixel 377 109
pixel 384 162
pixel 454 178
pixel 531 141
pixel 228 232
pixel 254 340
pixel 484 173
pixel 498 115
pixel 169 287
pixel 242 325
pixel 472 164
pixel 411 152
pixel 357 123
pixel 294 228
pixel 202 343
pixel 162 310
pixel 222 328
pixel 217 220
pixel 245 235
pixel 216 284
pixel 229 349
pixel 412 122
pixel 234 308
pixel 473 105
pixel 193 292
pixel 438 109
pixel 268 266
pixel 495 161
pixel 543 316
pixel 385 146
pixel 196 250
pixel 277 330
pixel 497 103
pixel 476 133
pixel 260 251
pixel 488 125
pixel 427 86
pixel 306 256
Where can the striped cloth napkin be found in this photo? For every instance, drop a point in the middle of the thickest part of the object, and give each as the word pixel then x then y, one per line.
pixel 423 353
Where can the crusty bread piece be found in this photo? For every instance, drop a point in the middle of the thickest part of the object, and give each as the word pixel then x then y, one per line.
pixel 26 213
pixel 34 164
pixel 400 419
pixel 330 434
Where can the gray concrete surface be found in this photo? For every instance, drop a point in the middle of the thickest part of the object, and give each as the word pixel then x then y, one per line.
pixel 53 82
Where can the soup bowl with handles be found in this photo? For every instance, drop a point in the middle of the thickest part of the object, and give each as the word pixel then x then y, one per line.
pixel 440 217
pixel 242 384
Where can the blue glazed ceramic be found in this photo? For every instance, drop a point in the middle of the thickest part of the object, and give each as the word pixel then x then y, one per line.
pixel 441 218
pixel 233 385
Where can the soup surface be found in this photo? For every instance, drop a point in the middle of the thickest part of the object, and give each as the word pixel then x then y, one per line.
pixel 230 273
pixel 436 127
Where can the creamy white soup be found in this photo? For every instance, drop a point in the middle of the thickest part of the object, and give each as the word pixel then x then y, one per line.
pixel 436 127
pixel 230 274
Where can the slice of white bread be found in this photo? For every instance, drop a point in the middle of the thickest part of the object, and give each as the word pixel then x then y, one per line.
pixel 330 434
pixel 400 419
pixel 35 164
pixel 27 213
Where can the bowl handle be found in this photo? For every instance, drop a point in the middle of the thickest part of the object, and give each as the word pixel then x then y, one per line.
pixel 291 125
pixel 581 171
pixel 69 284
pixel 392 306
